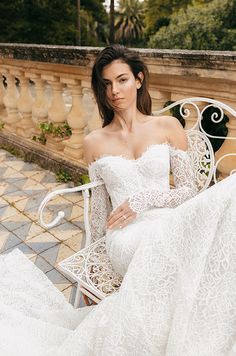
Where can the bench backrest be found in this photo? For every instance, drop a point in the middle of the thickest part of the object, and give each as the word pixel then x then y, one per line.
pixel 200 150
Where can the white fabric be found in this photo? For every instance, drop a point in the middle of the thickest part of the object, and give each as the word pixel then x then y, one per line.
pixel 178 296
pixel 184 181
pixel 100 206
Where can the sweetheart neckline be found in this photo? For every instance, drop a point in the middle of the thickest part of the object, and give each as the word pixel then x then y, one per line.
pixel 167 144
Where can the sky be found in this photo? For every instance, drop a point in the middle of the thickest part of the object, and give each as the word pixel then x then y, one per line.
pixel 107 3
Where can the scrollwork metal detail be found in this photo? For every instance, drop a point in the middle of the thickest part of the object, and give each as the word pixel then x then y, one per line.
pixel 92 268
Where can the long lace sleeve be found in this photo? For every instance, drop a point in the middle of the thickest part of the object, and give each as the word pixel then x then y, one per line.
pixel 100 206
pixel 184 182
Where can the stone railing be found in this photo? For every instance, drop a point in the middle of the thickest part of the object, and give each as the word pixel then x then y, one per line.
pixel 52 84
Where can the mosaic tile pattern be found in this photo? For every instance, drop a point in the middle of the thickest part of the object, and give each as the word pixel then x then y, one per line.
pixel 22 188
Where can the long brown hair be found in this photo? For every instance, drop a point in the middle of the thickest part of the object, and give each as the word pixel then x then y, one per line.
pixel 106 56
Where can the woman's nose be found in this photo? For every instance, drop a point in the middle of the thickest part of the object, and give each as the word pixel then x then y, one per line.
pixel 114 89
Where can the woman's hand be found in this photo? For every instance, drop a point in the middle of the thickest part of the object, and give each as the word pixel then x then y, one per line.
pixel 121 216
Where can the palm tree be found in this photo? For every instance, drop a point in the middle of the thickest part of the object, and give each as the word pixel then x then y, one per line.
pixel 129 22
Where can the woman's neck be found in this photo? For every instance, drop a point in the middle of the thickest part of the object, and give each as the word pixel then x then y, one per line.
pixel 126 119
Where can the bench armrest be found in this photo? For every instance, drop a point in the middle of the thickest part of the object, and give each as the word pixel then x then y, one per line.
pixel 60 215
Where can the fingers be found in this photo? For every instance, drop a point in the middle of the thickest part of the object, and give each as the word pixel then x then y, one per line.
pixel 120 220
pixel 127 221
pixel 116 215
pixel 121 216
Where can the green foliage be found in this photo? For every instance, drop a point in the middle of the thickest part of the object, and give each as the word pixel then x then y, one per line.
pixel 129 23
pixel 208 26
pixel 1 125
pixel 48 128
pixel 63 176
pixel 41 138
pixel 83 179
pixel 51 21
pixel 94 23
pixel 158 13
pixel 186 24
pixel 38 21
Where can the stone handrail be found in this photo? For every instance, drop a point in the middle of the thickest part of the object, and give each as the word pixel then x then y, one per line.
pixel 53 85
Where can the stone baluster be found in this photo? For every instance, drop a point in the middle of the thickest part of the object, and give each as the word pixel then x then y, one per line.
pixel 88 106
pixel 2 106
pixel 159 98
pixel 26 126
pixel 56 112
pixel 94 120
pixel 10 102
pixel 73 146
pixel 41 103
pixel 229 146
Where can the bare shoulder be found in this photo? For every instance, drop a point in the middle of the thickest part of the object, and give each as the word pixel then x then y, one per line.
pixel 174 131
pixel 90 142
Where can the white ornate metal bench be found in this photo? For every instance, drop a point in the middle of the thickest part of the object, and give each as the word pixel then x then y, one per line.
pixel 91 267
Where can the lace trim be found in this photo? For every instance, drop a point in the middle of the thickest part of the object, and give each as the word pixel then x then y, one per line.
pixel 105 155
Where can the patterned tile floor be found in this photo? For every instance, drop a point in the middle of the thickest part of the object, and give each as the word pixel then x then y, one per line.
pixel 22 188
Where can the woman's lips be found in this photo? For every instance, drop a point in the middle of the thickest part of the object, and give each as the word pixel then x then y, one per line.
pixel 117 99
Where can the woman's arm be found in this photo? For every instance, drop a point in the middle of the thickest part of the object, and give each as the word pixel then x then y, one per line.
pixel 100 206
pixel 100 202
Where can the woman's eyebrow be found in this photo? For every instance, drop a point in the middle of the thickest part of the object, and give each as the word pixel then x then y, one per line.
pixel 120 75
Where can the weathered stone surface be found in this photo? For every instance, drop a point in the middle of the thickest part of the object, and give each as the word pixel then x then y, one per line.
pixel 82 56
pixel 45 158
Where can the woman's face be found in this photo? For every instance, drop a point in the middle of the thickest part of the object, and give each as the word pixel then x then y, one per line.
pixel 121 85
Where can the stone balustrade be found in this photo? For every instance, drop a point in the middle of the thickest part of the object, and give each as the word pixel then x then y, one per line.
pixel 52 84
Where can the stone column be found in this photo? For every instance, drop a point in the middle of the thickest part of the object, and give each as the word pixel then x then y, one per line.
pixel 25 127
pixel 88 107
pixel 56 112
pixel 75 118
pixel 2 106
pixel 229 146
pixel 10 102
pixel 94 120
pixel 41 103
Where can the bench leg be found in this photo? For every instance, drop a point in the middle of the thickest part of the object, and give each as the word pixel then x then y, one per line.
pixel 77 297
pixel 88 301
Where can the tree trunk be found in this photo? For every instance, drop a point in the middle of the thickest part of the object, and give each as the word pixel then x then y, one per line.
pixel 78 24
pixel 112 22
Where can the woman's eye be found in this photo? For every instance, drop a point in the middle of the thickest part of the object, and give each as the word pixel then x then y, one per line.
pixel 123 80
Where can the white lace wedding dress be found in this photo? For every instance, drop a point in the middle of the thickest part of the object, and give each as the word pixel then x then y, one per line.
pixel 178 259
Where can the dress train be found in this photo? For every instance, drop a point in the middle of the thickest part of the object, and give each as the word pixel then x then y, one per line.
pixel 177 298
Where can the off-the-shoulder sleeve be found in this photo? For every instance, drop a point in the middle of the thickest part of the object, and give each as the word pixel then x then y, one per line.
pixel 185 187
pixel 100 206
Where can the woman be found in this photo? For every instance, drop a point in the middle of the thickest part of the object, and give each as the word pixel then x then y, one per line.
pixel 177 254
pixel 119 83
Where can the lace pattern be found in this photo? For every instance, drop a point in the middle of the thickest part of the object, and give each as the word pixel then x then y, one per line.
pixel 100 206
pixel 185 187
pixel 177 298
